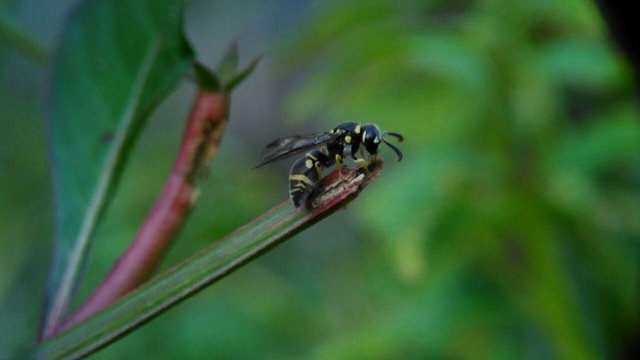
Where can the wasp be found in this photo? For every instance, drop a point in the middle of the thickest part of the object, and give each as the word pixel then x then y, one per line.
pixel 324 150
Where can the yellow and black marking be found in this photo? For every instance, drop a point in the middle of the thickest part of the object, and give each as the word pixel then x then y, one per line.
pixel 334 147
pixel 304 176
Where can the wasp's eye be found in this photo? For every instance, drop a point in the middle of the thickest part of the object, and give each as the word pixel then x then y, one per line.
pixel 371 138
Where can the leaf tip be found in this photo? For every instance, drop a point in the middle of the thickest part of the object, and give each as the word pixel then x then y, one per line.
pixel 244 73
pixel 228 67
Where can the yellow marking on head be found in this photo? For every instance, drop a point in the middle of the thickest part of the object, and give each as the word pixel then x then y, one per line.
pixel 357 130
pixel 309 156
pixel 364 135
pixel 347 139
pixel 303 178
pixel 308 163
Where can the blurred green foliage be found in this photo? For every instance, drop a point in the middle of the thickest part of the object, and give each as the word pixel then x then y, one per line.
pixel 509 231
pixel 514 216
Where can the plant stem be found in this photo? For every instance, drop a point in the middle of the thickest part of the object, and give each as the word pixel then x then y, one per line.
pixel 205 267
pixel 199 144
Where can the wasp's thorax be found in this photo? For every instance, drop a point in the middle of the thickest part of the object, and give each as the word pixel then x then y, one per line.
pixel 348 143
pixel 355 135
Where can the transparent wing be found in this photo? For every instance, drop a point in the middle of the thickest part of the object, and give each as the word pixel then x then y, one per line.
pixel 288 146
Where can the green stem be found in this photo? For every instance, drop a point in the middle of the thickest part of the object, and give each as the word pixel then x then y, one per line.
pixel 202 136
pixel 205 267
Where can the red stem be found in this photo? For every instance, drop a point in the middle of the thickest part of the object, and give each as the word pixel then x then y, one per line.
pixel 199 144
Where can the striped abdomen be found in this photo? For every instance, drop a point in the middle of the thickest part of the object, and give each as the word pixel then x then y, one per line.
pixel 305 174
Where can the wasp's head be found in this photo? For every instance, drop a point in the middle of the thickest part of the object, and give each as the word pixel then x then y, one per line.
pixel 372 137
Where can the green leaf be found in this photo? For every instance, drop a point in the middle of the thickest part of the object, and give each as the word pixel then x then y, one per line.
pixel 229 65
pixel 241 75
pixel 206 79
pixel 206 267
pixel 117 60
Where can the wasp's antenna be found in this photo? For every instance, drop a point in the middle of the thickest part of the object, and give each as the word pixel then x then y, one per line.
pixel 395 135
pixel 394 148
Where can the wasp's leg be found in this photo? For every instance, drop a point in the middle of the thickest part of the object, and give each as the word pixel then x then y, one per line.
pixel 364 163
pixel 339 161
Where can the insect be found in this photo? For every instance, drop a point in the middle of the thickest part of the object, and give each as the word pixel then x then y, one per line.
pixel 324 150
